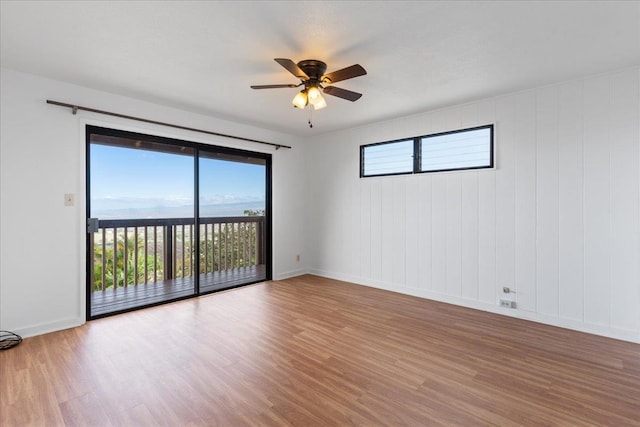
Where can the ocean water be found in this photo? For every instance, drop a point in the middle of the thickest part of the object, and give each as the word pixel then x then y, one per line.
pixel 185 211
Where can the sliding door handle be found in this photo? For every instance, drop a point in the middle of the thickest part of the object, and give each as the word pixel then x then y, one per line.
pixel 92 225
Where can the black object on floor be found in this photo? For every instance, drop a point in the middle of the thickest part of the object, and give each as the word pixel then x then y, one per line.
pixel 9 340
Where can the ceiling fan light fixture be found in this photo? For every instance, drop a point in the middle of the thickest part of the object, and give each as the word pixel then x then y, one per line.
pixel 314 95
pixel 320 104
pixel 300 100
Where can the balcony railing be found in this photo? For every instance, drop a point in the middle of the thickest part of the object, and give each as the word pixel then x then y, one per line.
pixel 131 252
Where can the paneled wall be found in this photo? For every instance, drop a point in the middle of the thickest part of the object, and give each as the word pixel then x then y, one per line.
pixel 558 220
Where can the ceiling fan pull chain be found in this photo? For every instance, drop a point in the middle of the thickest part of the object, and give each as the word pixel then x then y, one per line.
pixel 310 117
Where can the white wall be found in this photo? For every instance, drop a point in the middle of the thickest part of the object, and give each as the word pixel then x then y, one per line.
pixel 42 158
pixel 558 220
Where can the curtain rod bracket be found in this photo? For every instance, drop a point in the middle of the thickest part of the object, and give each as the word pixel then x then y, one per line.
pixel 75 108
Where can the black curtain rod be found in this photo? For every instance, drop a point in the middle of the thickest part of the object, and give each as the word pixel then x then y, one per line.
pixel 75 108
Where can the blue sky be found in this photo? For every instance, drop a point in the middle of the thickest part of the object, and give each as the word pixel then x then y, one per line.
pixel 161 185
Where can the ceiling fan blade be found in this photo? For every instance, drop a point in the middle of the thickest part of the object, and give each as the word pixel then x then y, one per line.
pixel 271 86
pixel 344 74
pixel 292 67
pixel 342 93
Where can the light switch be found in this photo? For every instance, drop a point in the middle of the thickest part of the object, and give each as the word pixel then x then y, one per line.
pixel 69 199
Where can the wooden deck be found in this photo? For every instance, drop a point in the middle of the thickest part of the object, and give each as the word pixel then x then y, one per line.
pixel 122 299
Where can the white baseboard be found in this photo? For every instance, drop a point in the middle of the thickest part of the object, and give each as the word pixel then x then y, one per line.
pixel 45 328
pixel 289 274
pixel 602 330
pixel 576 325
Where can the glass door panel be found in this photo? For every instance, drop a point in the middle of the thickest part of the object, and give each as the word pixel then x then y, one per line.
pixel 232 216
pixel 141 240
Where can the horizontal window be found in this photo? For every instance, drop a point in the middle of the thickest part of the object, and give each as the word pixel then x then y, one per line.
pixel 456 150
pixel 463 149
pixel 387 158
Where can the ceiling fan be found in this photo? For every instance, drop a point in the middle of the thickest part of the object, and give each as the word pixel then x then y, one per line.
pixel 311 73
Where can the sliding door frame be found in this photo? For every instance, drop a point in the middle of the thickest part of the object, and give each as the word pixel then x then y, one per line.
pixel 196 147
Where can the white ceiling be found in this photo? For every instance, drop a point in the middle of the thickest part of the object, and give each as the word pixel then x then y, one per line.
pixel 202 56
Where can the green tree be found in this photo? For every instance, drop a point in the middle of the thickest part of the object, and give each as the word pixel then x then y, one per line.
pixel 104 261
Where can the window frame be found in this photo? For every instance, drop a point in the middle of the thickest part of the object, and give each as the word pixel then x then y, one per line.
pixel 417 152
pixel 174 146
pixel 395 141
pixel 475 128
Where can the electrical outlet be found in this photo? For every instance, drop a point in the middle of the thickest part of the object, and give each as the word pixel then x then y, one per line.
pixel 298 258
pixel 507 303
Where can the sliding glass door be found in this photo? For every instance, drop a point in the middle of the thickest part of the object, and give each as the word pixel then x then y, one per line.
pixel 232 206
pixel 171 219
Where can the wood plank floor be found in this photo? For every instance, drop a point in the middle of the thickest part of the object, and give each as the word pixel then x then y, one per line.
pixel 309 351
pixel 114 300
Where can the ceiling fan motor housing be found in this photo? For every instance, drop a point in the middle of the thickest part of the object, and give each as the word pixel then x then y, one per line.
pixel 314 69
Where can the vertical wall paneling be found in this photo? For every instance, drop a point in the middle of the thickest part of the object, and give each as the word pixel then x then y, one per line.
pixel 557 219
pixel 329 196
pixel 399 231
pixel 339 220
pixel 547 200
pixel 597 199
pixel 624 137
pixel 412 221
pixel 505 194
pixel 314 251
pixel 375 231
pixel 487 231
pixel 365 228
pixel 338 209
pixel 439 233
pixel 354 215
pixel 425 234
pixel 525 192
pixel 570 205
pixel 353 234
pixel 487 216
pixel 454 234
pixel 469 235
pixel 386 231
